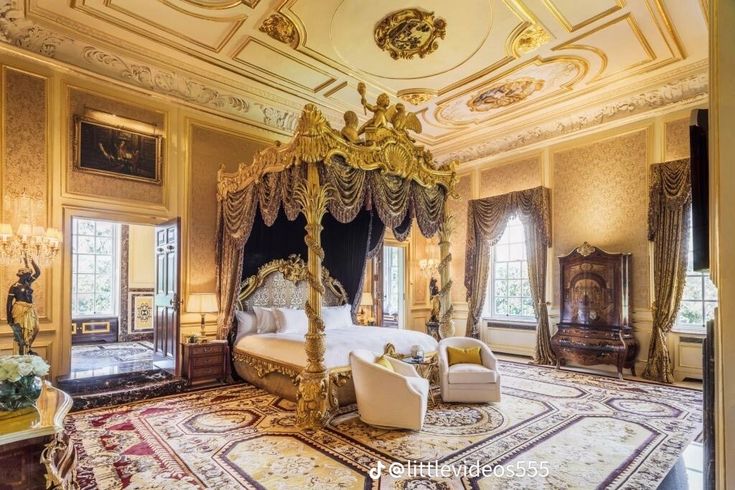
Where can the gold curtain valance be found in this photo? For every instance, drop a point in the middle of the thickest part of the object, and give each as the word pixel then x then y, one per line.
pixel 486 220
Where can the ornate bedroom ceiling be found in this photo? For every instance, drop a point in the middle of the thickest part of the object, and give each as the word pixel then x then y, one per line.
pixel 477 71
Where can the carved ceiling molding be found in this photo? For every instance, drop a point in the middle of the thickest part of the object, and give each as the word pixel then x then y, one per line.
pixel 532 38
pixel 409 32
pixel 281 28
pixel 23 33
pixel 416 96
pixel 691 88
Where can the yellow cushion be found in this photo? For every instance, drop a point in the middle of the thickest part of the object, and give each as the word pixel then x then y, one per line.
pixel 470 355
pixel 383 362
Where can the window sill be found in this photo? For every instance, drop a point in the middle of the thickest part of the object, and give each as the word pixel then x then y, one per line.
pixel 510 324
pixel 690 331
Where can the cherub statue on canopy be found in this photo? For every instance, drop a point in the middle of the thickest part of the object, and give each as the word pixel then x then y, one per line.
pixel 385 115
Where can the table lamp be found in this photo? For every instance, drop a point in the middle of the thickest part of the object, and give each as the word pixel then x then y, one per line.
pixel 365 300
pixel 202 303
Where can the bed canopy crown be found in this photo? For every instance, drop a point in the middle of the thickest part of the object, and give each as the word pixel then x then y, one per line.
pixel 351 184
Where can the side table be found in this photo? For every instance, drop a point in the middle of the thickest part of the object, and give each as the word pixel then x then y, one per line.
pixel 35 452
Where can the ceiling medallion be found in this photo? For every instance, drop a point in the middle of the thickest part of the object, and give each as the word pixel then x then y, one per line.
pixel 416 96
pixel 505 94
pixel 281 28
pixel 532 38
pixel 409 32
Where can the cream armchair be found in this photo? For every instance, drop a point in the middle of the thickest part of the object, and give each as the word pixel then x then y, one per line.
pixel 386 398
pixel 468 382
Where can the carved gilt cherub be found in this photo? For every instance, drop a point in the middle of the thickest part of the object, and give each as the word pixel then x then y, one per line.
pixel 403 121
pixel 384 116
pixel 349 131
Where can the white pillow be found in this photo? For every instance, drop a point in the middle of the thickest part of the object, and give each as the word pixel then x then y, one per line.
pixel 291 321
pixel 265 320
pixel 246 324
pixel 337 317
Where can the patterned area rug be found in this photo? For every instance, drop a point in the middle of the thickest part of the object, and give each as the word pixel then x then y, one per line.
pixel 576 430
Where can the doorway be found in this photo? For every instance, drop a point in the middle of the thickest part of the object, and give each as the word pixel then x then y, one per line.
pixel 387 277
pixel 115 279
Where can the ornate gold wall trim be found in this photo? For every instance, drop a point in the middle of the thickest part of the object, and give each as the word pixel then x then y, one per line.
pixel 46 319
pixel 67 147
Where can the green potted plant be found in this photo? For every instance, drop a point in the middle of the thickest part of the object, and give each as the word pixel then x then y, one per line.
pixel 20 381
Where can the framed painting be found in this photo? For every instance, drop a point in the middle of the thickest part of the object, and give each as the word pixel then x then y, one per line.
pixel 117 150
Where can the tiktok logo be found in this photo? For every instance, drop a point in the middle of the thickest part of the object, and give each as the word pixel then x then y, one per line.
pixel 377 471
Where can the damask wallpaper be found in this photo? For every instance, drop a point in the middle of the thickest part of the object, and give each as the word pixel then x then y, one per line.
pixel 109 186
pixel 458 208
pixel 510 177
pixel 600 195
pixel 676 139
pixel 209 149
pixel 25 159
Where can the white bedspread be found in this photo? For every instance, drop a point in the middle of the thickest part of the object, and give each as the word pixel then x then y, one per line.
pixel 289 347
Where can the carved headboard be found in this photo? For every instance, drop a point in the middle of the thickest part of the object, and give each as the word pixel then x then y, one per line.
pixel 282 283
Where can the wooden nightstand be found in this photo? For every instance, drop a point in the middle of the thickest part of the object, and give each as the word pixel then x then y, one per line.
pixel 206 363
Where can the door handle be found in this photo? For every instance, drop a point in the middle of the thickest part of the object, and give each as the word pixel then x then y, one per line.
pixel 175 301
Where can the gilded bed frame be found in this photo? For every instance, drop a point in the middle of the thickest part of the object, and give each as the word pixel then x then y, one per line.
pixel 283 283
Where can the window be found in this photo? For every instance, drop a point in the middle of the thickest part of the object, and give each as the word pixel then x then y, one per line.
pixel 94 267
pixel 508 292
pixel 699 299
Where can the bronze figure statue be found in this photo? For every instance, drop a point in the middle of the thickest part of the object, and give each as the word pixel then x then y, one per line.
pixel 21 313
pixel 435 295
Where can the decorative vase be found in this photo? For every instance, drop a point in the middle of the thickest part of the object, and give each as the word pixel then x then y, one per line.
pixel 20 394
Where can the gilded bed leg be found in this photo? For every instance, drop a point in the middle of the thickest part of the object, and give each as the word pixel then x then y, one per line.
pixel 446 324
pixel 312 395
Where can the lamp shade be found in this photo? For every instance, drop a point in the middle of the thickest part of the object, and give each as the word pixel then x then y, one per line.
pixel 202 303
pixel 366 299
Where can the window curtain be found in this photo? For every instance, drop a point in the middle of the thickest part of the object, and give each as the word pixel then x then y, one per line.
pixel 487 219
pixel 669 211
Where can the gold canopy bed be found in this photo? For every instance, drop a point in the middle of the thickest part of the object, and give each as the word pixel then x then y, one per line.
pixel 334 177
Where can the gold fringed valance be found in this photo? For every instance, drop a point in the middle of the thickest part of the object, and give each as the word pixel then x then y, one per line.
pixel 393 176
pixel 486 222
pixel 669 212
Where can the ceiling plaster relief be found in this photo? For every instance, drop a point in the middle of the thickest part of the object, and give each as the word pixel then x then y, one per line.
pixel 532 83
pixel 281 28
pixel 693 88
pixel 410 32
pixel 20 32
pixel 272 110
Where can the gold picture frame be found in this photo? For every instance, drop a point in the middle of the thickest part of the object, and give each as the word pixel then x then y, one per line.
pixel 114 146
